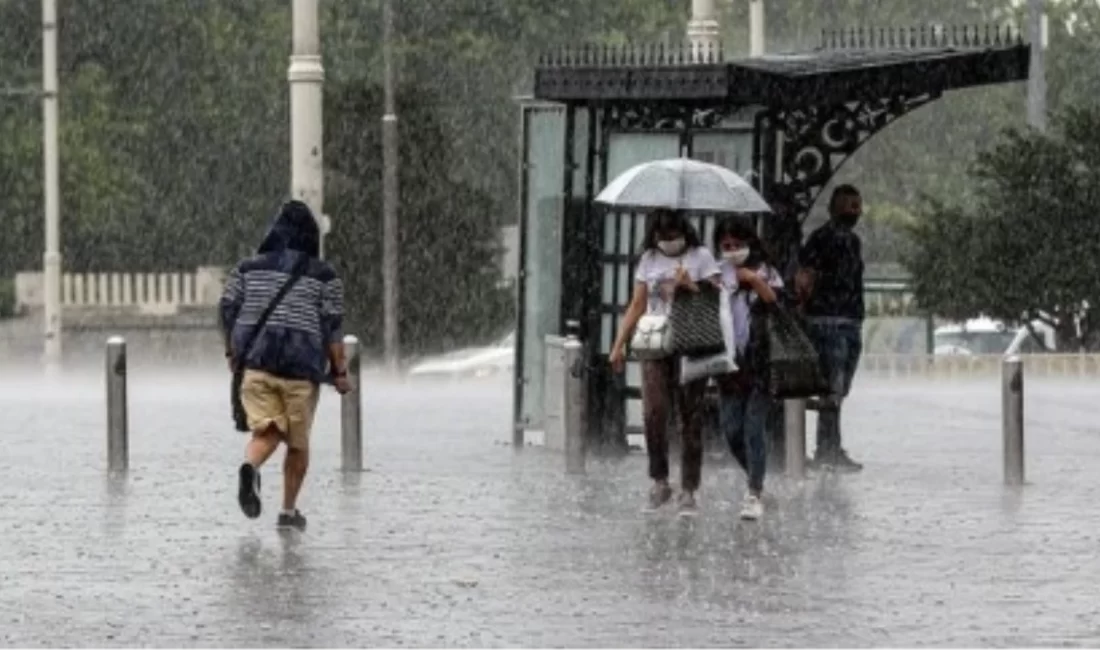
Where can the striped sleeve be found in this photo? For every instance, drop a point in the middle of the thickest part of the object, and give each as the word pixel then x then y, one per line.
pixel 229 307
pixel 332 310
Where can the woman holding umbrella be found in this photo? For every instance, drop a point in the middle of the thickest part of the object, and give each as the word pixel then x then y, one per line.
pixel 672 257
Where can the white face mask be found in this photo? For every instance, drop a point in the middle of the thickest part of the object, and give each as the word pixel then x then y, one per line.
pixel 737 256
pixel 672 247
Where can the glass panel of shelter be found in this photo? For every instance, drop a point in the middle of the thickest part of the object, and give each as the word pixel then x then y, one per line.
pixel 730 148
pixel 544 169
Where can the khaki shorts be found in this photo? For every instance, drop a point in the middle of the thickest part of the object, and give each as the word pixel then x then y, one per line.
pixel 289 404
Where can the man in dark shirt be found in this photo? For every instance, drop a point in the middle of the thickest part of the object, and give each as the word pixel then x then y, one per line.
pixel 830 285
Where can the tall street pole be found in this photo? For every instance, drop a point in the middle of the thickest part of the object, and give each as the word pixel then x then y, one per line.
pixel 1037 78
pixel 306 76
pixel 756 28
pixel 52 187
pixel 390 196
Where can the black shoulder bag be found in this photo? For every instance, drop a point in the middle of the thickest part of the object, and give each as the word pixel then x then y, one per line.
pixel 240 418
pixel 793 363
pixel 696 321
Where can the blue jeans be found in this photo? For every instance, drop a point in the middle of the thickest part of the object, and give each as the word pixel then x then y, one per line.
pixel 839 344
pixel 742 416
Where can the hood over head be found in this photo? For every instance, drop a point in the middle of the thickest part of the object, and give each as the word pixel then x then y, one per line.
pixel 294 228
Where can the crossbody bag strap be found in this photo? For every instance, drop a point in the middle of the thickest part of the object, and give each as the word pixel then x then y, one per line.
pixel 296 274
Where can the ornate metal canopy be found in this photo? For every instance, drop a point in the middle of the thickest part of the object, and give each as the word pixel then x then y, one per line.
pixel 825 102
pixel 858 63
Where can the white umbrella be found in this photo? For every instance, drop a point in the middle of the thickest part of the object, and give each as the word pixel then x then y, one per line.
pixel 682 184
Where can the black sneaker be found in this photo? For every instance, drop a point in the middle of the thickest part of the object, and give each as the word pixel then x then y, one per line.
pixel 297 521
pixel 837 461
pixel 248 491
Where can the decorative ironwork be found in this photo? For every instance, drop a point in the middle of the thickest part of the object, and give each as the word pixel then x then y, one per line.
pixel 632 55
pixel 922 37
pixel 856 38
pixel 817 140
pixel 665 116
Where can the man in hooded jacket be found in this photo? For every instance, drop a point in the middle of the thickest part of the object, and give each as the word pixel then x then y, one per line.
pixel 299 348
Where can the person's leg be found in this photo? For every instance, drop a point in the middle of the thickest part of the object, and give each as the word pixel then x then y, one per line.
pixel 757 406
pixel 833 352
pixel 301 405
pixel 295 466
pixel 691 431
pixel 655 405
pixel 265 410
pixel 731 411
pixel 853 336
pixel 262 445
pixel 853 346
pixel 266 413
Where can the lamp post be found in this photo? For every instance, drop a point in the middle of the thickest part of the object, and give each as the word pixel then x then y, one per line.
pixel 306 76
pixel 390 196
pixel 756 28
pixel 1037 78
pixel 702 29
pixel 52 192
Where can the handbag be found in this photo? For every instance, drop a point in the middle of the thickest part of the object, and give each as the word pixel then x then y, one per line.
pixel 793 364
pixel 722 363
pixel 696 321
pixel 240 417
pixel 652 338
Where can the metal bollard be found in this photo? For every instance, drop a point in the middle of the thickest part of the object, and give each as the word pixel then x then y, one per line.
pixel 1012 410
pixel 118 436
pixel 351 416
pixel 575 418
pixel 794 421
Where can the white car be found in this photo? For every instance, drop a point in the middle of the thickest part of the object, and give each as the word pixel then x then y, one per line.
pixel 470 362
pixel 987 336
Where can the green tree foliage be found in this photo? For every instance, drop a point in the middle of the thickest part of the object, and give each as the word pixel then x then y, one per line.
pixel 173 144
pixel 448 274
pixel 1027 247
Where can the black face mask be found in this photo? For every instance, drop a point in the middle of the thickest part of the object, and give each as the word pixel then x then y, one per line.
pixel 848 220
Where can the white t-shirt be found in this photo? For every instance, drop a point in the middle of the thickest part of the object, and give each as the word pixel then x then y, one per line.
pixel 658 272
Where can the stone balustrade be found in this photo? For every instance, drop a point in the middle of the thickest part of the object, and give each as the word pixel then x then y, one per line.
pixel 152 293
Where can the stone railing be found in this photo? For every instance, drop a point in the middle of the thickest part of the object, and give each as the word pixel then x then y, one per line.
pixel 959 366
pixel 153 293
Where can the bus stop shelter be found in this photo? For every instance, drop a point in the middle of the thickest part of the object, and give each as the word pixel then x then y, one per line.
pixel 787 121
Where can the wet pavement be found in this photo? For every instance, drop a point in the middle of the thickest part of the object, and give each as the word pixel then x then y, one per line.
pixel 452 539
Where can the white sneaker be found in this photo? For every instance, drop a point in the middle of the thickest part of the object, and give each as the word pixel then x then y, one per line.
pixel 752 508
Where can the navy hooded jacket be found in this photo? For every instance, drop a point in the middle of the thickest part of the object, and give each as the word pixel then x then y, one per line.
pixel 293 343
